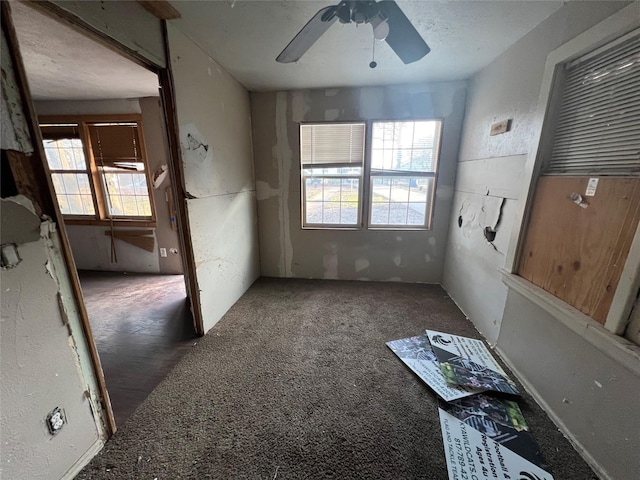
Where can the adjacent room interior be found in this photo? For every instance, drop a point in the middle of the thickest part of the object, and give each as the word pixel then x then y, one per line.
pixel 105 140
pixel 180 182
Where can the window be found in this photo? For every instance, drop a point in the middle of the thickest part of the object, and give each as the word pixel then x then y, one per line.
pixel 403 168
pixel 585 211
pixel 397 177
pixel 99 170
pixel 332 157
pixel 597 129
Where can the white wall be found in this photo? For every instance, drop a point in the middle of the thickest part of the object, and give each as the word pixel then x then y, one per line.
pixel 91 247
pixel 215 136
pixel 490 169
pixel 586 390
pixel 586 386
pixel 288 251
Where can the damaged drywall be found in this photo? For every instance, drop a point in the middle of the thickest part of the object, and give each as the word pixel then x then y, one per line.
pixel 215 138
pixel 17 225
pixel 286 250
pixel 14 131
pixel 45 358
pixel 554 362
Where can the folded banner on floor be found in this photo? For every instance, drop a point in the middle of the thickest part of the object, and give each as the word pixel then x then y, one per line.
pixel 467 362
pixel 417 354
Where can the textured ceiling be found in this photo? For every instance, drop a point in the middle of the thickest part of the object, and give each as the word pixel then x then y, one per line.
pixel 63 64
pixel 245 37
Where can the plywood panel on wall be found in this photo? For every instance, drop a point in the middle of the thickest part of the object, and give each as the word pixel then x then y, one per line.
pixel 575 253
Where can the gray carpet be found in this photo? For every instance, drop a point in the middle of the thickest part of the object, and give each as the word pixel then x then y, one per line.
pixel 296 382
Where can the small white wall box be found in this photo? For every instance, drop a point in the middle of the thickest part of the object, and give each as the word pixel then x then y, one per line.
pixel 9 255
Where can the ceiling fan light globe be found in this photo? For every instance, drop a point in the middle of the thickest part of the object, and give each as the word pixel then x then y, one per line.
pixel 381 31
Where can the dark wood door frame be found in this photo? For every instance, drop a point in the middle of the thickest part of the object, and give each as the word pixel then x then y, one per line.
pixel 44 185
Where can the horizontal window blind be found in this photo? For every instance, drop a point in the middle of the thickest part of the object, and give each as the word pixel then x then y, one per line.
pixel 598 124
pixel 60 132
pixel 115 146
pixel 332 143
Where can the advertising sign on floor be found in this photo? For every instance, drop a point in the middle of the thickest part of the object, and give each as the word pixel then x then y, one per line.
pixel 417 354
pixel 471 449
pixel 467 362
pixel 499 419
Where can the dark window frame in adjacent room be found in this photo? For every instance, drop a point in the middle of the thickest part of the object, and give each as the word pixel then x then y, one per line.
pixel 85 128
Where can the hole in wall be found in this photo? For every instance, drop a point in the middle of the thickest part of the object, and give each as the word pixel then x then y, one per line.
pixel 460 221
pixel 489 234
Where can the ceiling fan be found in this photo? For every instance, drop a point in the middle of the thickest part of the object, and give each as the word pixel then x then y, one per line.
pixel 388 21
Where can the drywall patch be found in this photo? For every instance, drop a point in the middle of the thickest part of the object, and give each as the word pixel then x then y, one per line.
pixel 282 152
pixel 300 106
pixel 331 92
pixel 20 224
pixel 361 264
pixel 331 114
pixel 264 191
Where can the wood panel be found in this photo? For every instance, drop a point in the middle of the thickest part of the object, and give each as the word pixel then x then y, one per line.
pixel 575 253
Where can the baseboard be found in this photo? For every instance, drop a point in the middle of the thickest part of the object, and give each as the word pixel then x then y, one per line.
pixel 83 460
pixel 555 419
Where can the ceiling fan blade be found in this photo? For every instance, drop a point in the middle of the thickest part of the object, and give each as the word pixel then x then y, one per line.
pixel 309 34
pixel 403 38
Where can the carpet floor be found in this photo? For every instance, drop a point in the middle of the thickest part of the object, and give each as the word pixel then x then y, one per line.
pixel 296 382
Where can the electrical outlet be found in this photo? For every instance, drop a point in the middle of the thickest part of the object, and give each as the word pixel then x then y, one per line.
pixel 55 420
pixel 163 252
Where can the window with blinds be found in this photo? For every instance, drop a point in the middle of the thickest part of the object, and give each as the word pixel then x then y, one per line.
pixel 392 187
pixel 118 154
pixel 597 130
pixel 98 169
pixel 331 159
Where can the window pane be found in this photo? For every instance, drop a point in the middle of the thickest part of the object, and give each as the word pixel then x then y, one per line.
pixel 399 201
pixel 127 194
pixel 73 193
pixel 404 146
pixel 332 201
pixel 65 154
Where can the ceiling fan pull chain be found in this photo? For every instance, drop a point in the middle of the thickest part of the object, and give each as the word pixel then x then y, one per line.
pixel 373 63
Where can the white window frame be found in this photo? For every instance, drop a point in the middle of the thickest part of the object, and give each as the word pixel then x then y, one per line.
pixel 360 177
pixel 366 178
pixel 606 338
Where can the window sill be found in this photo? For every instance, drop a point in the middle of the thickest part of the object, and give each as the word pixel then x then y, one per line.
pixel 617 348
pixel 107 223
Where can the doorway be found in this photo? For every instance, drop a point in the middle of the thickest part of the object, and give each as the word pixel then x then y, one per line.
pixel 128 254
